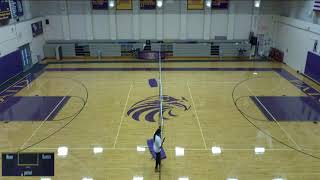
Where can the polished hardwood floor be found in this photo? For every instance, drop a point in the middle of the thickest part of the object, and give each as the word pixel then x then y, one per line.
pixel 201 115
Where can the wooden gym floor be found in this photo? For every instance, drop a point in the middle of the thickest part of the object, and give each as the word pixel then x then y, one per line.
pixel 96 115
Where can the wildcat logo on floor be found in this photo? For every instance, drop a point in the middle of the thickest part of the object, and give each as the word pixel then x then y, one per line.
pixel 149 108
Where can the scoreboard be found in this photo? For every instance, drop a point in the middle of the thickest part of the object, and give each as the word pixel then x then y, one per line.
pixel 37 28
pixel 28 164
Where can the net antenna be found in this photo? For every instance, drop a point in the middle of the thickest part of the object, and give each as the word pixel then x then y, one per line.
pixel 161 122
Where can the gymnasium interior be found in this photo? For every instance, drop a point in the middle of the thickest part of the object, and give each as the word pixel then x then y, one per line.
pixel 229 87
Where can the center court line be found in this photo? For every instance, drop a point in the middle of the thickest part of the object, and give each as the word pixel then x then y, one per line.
pixel 55 108
pixel 195 110
pixel 288 135
pixel 122 116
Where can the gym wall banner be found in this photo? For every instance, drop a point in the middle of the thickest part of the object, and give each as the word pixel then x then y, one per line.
pixel 148 4
pixel 195 5
pixel 100 4
pixel 220 4
pixel 124 4
pixel 17 8
pixel 5 13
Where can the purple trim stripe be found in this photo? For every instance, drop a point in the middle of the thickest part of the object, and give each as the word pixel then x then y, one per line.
pixel 163 69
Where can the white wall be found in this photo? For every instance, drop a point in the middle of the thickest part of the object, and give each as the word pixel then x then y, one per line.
pixel 8 39
pixel 292 36
pixel 15 35
pixel 295 38
pixel 76 20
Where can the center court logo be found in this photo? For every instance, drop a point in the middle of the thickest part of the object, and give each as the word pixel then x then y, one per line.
pixel 149 108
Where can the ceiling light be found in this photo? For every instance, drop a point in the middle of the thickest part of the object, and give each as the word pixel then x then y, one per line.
pixel 45 178
pixel 259 150
pixel 159 3
pixel 111 3
pixel 97 150
pixel 257 3
pixel 183 178
pixel 141 149
pixel 137 178
pixel 216 150
pixel 179 151
pixel 63 151
pixel 87 178
pixel 208 3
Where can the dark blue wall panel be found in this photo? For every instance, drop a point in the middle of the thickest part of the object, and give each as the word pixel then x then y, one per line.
pixel 312 68
pixel 10 65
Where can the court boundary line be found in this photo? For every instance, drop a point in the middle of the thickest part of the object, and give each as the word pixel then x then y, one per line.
pixel 197 117
pixel 122 116
pixel 169 149
pixel 48 116
pixel 287 134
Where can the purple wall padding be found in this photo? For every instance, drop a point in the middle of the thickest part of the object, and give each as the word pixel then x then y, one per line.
pixel 312 68
pixel 10 65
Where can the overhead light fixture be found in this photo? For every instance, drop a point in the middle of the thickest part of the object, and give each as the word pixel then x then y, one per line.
pixel 87 178
pixel 179 151
pixel 111 4
pixel 257 3
pixel 259 150
pixel 232 178
pixel 208 3
pixel 137 178
pixel 255 73
pixel 159 3
pixel 63 151
pixel 216 150
pixel 278 179
pixel 141 149
pixel 183 178
pixel 97 150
